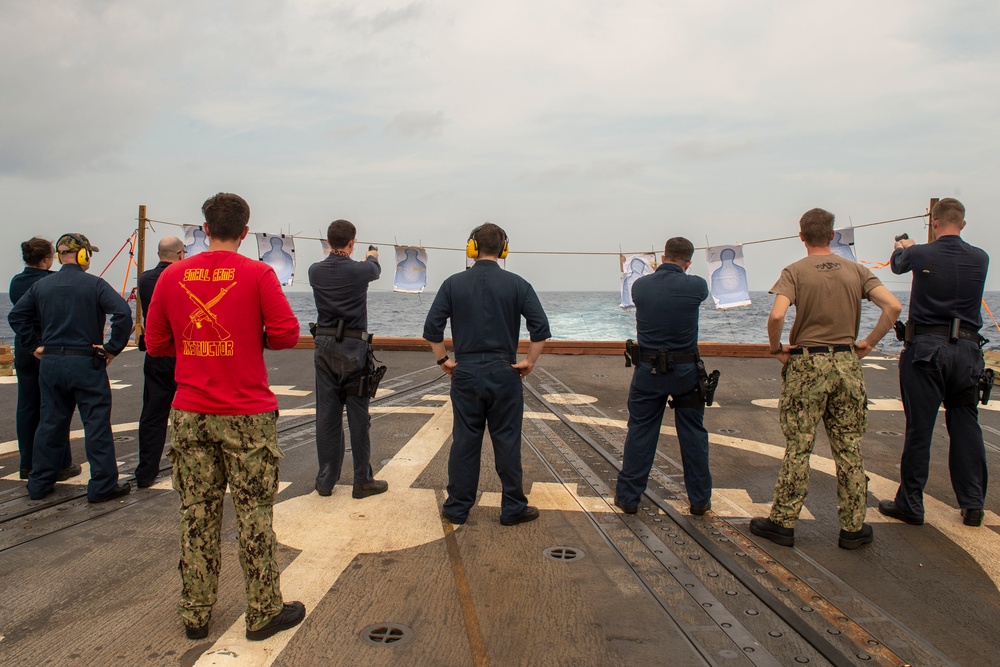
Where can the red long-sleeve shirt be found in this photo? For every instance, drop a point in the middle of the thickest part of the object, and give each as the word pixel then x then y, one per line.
pixel 213 312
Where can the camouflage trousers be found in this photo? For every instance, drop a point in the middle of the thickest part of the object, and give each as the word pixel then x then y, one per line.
pixel 210 452
pixel 830 387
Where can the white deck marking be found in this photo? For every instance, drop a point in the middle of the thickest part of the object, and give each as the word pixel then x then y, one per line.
pixel 741 504
pixel 116 384
pixel 286 390
pixel 569 399
pixel 11 445
pixel 875 366
pixel 82 478
pixel 348 527
pixel 878 404
pixel 554 496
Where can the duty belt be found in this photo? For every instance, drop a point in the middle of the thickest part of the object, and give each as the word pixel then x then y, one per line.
pixel 662 360
pixel 945 330
pixel 822 349
pixel 340 333
pixel 68 351
pixel 672 358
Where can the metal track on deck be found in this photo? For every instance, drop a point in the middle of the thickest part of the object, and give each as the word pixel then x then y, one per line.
pixel 780 604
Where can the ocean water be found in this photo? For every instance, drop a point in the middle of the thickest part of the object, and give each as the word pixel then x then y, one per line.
pixel 590 316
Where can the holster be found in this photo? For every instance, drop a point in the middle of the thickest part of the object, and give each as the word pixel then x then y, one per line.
pixel 630 346
pixel 985 386
pixel 367 381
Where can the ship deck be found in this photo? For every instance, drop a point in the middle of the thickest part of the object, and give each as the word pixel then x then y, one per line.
pixel 386 582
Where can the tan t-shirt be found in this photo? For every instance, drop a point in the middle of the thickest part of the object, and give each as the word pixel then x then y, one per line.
pixel 826 291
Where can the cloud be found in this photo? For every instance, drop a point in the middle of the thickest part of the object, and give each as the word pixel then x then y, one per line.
pixel 702 149
pixel 417 124
pixel 536 113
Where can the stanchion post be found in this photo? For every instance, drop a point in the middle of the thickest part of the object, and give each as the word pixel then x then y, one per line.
pixel 140 264
pixel 930 212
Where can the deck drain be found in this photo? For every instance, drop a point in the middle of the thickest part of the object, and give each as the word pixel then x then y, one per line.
pixel 729 430
pixel 124 438
pixel 891 433
pixel 562 553
pixel 385 634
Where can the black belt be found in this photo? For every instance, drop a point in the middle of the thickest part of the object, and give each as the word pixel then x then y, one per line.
pixel 653 357
pixel 68 351
pixel 822 349
pixel 345 333
pixel 945 330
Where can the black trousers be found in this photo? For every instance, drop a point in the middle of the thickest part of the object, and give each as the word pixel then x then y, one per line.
pixel 336 363
pixel 933 371
pixel 29 407
pixel 157 395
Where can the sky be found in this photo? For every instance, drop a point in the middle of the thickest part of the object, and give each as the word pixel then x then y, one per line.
pixel 577 126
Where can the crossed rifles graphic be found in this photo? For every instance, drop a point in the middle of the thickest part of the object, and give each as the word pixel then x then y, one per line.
pixel 203 312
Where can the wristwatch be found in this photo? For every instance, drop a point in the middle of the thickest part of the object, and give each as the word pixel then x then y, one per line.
pixel 442 360
pixel 780 349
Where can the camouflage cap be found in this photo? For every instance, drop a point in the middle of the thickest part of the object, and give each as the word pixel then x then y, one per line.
pixel 76 242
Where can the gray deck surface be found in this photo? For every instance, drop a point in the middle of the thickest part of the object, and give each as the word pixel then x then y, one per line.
pixel 97 584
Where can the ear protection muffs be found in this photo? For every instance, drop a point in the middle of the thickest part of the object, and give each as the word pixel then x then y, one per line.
pixel 472 247
pixel 82 255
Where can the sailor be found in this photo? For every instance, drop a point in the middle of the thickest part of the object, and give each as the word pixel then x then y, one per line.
pixel 667 369
pixel 942 362
pixel 216 312
pixel 38 255
pixel 485 304
pixel 62 319
pixel 822 378
pixel 158 374
pixel 343 358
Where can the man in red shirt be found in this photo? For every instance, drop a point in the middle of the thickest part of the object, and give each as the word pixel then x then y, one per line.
pixel 215 312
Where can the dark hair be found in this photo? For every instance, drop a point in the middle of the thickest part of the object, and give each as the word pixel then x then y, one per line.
pixel 948 211
pixel 340 233
pixel 226 215
pixel 34 250
pixel 490 239
pixel 816 226
pixel 678 249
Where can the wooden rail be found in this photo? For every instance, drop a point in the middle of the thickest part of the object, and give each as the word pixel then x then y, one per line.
pixel 606 347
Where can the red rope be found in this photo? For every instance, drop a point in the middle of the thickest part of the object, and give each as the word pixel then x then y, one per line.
pixel 127 241
pixel 991 315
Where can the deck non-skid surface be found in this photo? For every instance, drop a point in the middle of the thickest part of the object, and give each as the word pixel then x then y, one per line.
pixel 386 582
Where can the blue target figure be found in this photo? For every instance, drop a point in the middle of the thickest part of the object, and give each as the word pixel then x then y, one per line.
pixel 729 281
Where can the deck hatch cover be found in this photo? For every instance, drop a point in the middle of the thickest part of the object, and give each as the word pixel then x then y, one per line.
pixel 563 554
pixel 385 634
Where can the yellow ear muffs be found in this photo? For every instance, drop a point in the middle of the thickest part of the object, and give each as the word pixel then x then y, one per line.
pixel 82 255
pixel 472 247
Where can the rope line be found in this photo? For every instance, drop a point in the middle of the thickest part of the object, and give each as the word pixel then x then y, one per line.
pixel 127 241
pixel 565 252
pixel 991 315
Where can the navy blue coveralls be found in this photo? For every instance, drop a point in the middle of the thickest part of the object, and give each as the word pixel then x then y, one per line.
pixel 666 318
pixel 949 276
pixel 29 396
pixel 485 304
pixel 158 390
pixel 340 288
pixel 69 309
